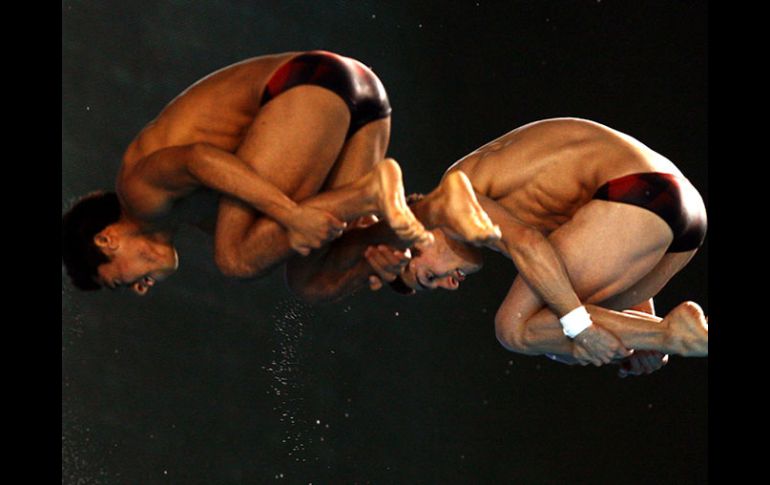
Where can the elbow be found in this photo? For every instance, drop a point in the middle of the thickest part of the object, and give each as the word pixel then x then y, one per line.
pixel 201 151
pixel 230 265
pixel 199 156
pixel 510 333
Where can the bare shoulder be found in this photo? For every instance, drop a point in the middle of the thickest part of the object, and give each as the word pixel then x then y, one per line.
pixel 140 200
pixel 214 109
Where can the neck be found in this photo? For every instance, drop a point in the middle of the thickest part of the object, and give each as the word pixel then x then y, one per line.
pixel 133 228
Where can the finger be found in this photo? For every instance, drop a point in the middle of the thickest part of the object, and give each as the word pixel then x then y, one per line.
pixel 635 367
pixel 393 257
pixel 336 223
pixel 378 267
pixel 378 261
pixel 643 361
pixel 304 251
pixel 653 362
pixel 389 256
pixel 623 352
pixel 403 260
pixel 374 283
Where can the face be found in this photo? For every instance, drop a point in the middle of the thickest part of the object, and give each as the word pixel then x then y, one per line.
pixel 136 263
pixel 444 264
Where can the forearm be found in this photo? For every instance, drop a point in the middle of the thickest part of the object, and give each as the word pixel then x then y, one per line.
pixel 535 258
pixel 226 173
pixel 538 263
pixel 246 245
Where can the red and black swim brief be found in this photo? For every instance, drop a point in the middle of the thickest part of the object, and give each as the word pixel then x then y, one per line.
pixel 672 198
pixel 357 85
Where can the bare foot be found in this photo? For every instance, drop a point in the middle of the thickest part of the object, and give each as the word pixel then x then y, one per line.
pixel 461 212
pixel 391 202
pixel 688 331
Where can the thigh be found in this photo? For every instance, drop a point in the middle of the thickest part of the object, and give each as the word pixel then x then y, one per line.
pixel 365 148
pixel 296 139
pixel 606 248
pixel 293 142
pixel 649 286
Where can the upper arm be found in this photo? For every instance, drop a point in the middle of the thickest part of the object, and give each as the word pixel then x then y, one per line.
pixel 150 185
pixel 515 234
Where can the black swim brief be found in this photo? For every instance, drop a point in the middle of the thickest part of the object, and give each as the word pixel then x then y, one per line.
pixel 672 198
pixel 357 85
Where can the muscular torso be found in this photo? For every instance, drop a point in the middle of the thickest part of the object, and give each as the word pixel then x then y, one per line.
pixel 217 110
pixel 543 172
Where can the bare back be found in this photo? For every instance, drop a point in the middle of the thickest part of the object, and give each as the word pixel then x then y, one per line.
pixel 217 109
pixel 543 172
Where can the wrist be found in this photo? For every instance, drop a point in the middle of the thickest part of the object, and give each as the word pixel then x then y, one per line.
pixel 286 213
pixel 575 321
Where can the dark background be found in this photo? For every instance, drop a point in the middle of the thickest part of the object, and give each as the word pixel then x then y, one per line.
pixel 216 381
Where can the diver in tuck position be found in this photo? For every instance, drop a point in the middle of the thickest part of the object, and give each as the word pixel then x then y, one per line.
pixel 296 143
pixel 595 222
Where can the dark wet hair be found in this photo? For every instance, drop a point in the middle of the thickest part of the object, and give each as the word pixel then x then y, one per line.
pixel 90 214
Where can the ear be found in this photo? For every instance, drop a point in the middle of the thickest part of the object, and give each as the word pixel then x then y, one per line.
pixel 106 240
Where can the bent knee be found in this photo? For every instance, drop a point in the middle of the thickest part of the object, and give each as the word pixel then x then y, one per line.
pixel 233 267
pixel 510 333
